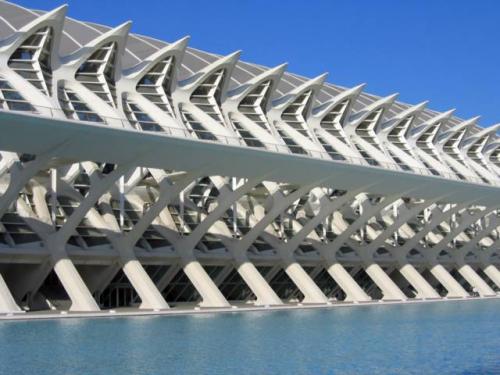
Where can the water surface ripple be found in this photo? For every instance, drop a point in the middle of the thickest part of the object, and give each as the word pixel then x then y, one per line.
pixel 434 338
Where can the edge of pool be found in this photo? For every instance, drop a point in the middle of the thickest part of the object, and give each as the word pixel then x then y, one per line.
pixel 178 311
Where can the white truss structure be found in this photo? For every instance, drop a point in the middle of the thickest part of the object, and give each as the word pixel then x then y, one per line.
pixel 136 172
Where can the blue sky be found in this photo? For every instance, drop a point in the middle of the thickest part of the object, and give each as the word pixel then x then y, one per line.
pixel 447 52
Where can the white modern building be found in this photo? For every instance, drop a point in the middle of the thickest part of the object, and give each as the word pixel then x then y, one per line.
pixel 135 172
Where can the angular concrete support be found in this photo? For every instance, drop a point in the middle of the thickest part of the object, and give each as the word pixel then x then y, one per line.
pixel 211 295
pixel 345 281
pixel 81 298
pixel 150 296
pixel 312 293
pixel 476 281
pixel 257 284
pixel 452 286
pixel 223 274
pixel 97 281
pixel 7 302
pixel 28 282
pixel 272 272
pixel 493 273
pixel 423 288
pixel 167 277
pixel 388 287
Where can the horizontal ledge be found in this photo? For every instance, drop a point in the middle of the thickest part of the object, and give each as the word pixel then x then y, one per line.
pixel 77 141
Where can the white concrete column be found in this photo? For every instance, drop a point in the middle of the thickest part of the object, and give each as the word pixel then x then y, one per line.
pixel 493 273
pixel 475 281
pixel 7 302
pixel 344 280
pixel 312 293
pixel 423 288
pixel 211 295
pixel 388 287
pixel 81 298
pixel 452 286
pixel 150 296
pixel 257 284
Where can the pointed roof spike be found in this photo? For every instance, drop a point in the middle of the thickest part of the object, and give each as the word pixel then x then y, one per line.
pixel 326 107
pixel 358 88
pixel 179 45
pixel 418 130
pixel 421 105
pixel 448 133
pixel 381 102
pixel 356 118
pixel 182 42
pixel 417 108
pixel 243 89
pixel 230 59
pixel 400 116
pixel 466 123
pixel 489 130
pixel 391 97
pixel 472 120
pixel 54 18
pixel 234 56
pixel 353 91
pixel 58 13
pixel 439 117
pixel 175 49
pixel 493 140
pixel 448 113
pixel 493 128
pixel 227 62
pixel 122 29
pixel 473 138
pixel 319 80
pixel 120 32
pixel 279 69
pixel 60 9
pixel 314 83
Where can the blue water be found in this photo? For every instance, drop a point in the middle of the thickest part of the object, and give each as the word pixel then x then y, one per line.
pixel 437 338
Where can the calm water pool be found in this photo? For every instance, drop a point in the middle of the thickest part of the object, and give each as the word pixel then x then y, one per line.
pixel 437 338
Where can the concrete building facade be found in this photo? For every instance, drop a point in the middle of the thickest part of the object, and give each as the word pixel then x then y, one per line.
pixel 135 172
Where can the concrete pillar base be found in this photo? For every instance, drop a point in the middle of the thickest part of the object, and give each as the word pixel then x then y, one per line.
pixel 151 298
pixel 455 290
pixel 423 288
pixel 476 281
pixel 389 289
pixel 211 295
pixel 312 293
pixel 259 286
pixel 81 298
pixel 350 287
pixel 493 273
